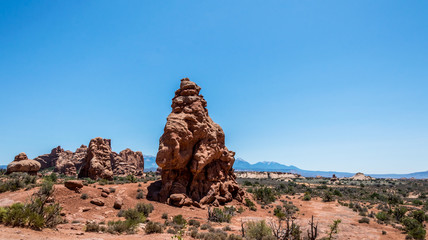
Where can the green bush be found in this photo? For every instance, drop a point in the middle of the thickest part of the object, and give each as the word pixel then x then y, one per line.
pixel 250 204
pixel 193 222
pixel 164 215
pixel 258 230
pixel 16 181
pixel 383 216
pixel 84 196
pixel 265 194
pixel 153 227
pixel 36 214
pixel 145 208
pixel 92 227
pixel 127 226
pixel 140 195
pixel 179 220
pixel 364 220
pixel 414 228
pixel 233 237
pixel 307 196
pixel 134 215
pixel 327 197
pixel 218 215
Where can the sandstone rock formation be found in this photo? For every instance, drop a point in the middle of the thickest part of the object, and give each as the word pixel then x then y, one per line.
pixel 23 164
pixel 361 177
pixel 267 175
pixel 69 163
pixel 97 163
pixel 74 185
pixel 127 162
pixel 196 164
pixel 64 162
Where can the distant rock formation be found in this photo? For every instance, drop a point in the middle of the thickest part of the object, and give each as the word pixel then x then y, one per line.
pixel 69 163
pixel 361 177
pixel 334 178
pixel 97 163
pixel 196 164
pixel 127 162
pixel 21 163
pixel 266 175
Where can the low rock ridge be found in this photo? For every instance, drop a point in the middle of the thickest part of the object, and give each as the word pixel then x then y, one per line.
pixel 266 175
pixel 96 161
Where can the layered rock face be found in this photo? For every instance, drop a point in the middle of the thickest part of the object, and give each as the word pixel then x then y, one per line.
pixel 69 163
pixel 127 162
pixel 23 164
pixel 196 164
pixel 64 162
pixel 97 163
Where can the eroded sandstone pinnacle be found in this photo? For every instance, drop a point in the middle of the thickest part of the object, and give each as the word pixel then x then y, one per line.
pixel 196 164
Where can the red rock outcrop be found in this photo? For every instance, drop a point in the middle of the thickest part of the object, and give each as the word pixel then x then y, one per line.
pixel 97 163
pixel 21 163
pixel 196 164
pixel 127 162
pixel 67 162
pixel 64 162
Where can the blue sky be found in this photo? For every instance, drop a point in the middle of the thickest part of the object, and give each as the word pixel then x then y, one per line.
pixel 322 85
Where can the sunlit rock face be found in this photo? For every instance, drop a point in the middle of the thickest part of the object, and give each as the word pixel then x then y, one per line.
pixel 196 165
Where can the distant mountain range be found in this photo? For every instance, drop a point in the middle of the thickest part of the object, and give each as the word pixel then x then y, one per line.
pixel 242 165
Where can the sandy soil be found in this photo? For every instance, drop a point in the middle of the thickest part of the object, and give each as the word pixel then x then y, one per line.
pixel 78 211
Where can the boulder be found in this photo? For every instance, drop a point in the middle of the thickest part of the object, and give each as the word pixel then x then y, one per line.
pixel 74 185
pixel 192 154
pixel 118 203
pixel 21 163
pixel 97 202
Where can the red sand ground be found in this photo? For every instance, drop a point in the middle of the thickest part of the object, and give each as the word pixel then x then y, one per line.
pixel 73 206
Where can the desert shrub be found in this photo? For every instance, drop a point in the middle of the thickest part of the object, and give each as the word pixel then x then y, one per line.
pixel 144 208
pixel 414 228
pixel 383 216
pixel 134 215
pixel 364 220
pixel 250 204
pixel 36 214
pixel 394 199
pixel 327 197
pixel 179 220
pixel 233 237
pixel 213 235
pixel 127 226
pixel 265 194
pixel 164 215
pixel 153 227
pixel 171 231
pixel 205 226
pixel 51 177
pixel 399 213
pixel 195 223
pixel 226 228
pixel 230 210
pixel 307 196
pixel 84 196
pixel 258 230
pixel 194 233
pixel 419 215
pixel 16 181
pixel 218 215
pixel 112 190
pixel 240 210
pixel 131 178
pixel 92 227
pixel 140 195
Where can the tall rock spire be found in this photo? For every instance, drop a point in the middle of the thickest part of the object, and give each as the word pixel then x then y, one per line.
pixel 196 164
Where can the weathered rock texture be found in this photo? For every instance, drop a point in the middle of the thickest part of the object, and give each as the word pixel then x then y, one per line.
pixel 63 162
pixel 196 164
pixel 69 163
pixel 97 163
pixel 127 162
pixel 23 164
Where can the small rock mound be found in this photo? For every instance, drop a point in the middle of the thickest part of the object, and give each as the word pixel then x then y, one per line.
pixel 74 185
pixel 23 164
pixel 361 177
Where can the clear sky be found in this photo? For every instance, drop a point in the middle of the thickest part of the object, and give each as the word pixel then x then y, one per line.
pixel 322 85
